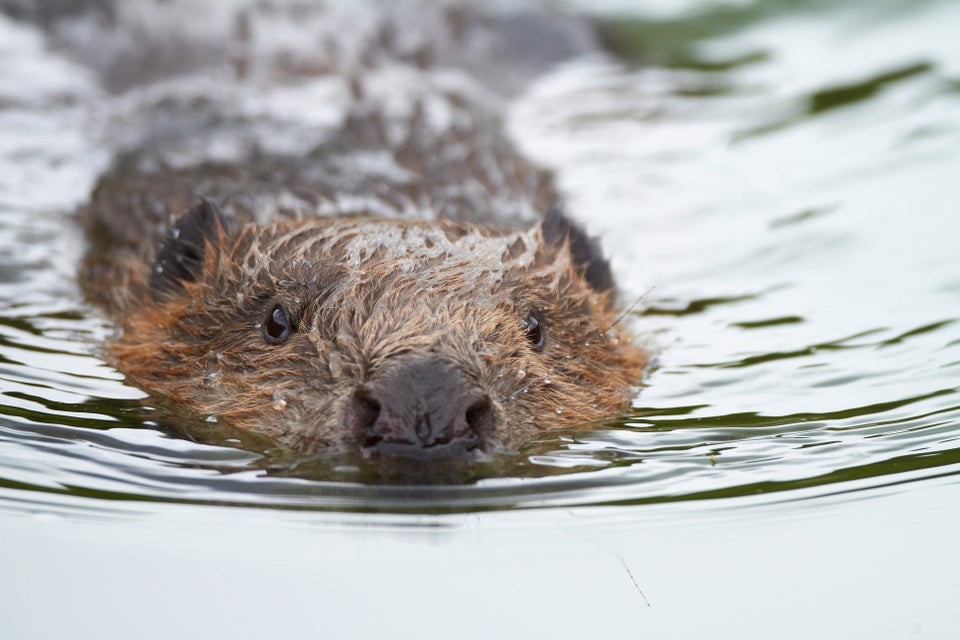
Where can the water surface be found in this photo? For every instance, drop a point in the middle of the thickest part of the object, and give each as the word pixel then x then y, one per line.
pixel 777 184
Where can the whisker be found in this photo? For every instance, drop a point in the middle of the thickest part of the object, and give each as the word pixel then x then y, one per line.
pixel 627 310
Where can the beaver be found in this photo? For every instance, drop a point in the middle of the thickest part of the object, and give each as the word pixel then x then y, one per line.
pixel 397 282
pixel 397 337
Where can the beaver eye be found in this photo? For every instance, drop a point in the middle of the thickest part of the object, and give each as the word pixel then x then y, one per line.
pixel 277 327
pixel 536 335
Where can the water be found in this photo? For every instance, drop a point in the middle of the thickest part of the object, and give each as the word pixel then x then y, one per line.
pixel 776 183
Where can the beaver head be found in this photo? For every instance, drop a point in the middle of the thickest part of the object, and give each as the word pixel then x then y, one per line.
pixel 392 337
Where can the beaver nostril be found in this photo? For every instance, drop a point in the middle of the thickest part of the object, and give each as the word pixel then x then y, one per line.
pixel 364 412
pixel 480 419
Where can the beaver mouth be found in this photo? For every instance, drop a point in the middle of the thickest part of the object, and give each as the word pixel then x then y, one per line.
pixel 455 450
pixel 421 410
pixel 416 434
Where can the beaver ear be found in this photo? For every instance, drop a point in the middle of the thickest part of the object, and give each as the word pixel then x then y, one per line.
pixel 585 251
pixel 180 258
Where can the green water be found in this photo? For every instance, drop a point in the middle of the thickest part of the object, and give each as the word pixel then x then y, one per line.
pixel 776 183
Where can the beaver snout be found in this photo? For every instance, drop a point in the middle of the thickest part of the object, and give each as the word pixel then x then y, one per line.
pixel 421 409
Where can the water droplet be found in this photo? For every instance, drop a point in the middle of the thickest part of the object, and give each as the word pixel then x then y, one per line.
pixel 346 468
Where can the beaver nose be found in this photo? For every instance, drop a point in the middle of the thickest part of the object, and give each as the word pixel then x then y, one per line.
pixel 423 408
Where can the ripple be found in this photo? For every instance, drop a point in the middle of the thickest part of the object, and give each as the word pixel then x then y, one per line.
pixel 795 221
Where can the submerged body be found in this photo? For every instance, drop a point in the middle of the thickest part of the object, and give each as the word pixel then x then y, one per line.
pixel 382 278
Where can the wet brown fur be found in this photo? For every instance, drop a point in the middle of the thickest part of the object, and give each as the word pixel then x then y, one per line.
pixel 203 347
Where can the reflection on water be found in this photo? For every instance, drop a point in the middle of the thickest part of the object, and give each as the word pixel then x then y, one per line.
pixel 777 180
